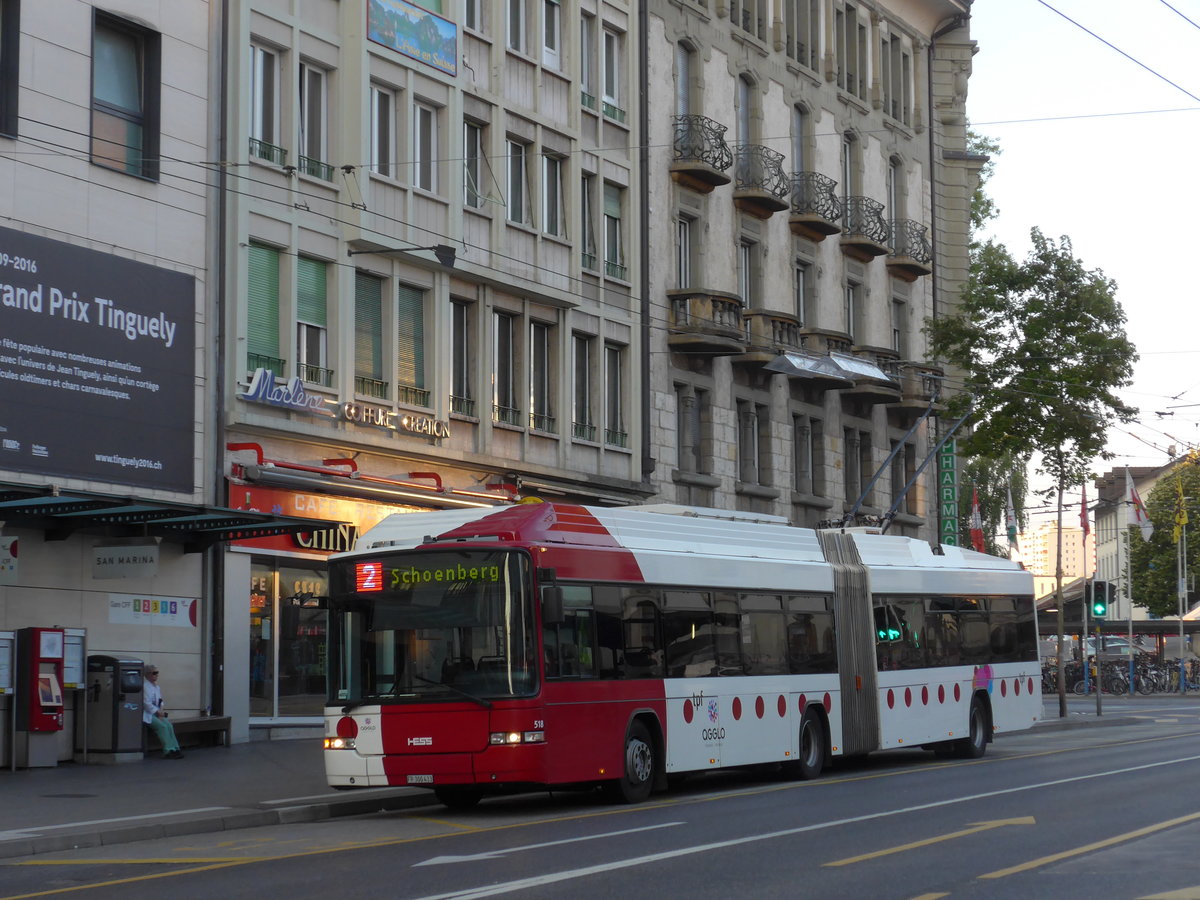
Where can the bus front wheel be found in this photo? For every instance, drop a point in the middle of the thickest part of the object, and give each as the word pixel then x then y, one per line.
pixel 635 784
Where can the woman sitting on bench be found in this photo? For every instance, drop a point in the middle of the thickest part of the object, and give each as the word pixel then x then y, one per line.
pixel 154 717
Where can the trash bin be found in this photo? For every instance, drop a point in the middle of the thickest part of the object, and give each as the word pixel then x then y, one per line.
pixel 114 708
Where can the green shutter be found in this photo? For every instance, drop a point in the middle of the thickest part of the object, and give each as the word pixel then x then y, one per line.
pixel 410 336
pixel 612 201
pixel 262 302
pixel 368 326
pixel 310 291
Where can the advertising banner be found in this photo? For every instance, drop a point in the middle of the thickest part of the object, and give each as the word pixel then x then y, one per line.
pixel 415 32
pixel 8 560
pixel 133 609
pixel 97 365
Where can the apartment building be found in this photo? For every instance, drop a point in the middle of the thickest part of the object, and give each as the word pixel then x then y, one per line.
pixel 808 183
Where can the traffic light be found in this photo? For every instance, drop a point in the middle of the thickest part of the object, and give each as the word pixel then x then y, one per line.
pixel 1100 591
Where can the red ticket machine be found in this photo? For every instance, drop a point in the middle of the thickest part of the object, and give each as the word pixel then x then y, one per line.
pixel 39 695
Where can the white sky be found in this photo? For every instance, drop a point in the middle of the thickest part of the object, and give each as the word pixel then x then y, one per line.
pixel 1125 187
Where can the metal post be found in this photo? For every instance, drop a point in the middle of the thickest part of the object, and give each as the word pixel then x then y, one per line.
pixel 1181 570
pixel 1083 636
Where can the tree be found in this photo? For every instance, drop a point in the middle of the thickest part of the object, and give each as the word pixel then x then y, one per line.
pixel 1043 347
pixel 993 478
pixel 983 208
pixel 1153 563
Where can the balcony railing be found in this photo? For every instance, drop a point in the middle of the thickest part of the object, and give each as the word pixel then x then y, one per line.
pixel 269 152
pixel 273 364
pixel 614 112
pixel 583 431
pixel 911 255
pixel 702 155
pixel 370 387
pixel 816 209
pixel 866 231
pixel 705 322
pixel 615 438
pixel 760 185
pixel 315 375
pixel 316 168
pixel 616 270
pixel 588 261
pixel 506 415
pixel 588 100
pixel 539 422
pixel 413 396
pixel 464 406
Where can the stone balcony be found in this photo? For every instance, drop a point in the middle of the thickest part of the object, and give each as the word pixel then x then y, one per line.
pixel 768 334
pixel 876 373
pixel 702 157
pixel 920 385
pixel 704 321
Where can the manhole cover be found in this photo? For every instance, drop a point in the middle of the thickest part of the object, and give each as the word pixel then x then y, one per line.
pixel 70 796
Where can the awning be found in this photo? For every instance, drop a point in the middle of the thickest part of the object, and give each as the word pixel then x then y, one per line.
pixel 809 365
pixel 61 513
pixel 860 369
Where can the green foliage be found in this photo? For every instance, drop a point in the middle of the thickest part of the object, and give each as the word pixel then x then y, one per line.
pixel 983 209
pixel 1154 563
pixel 991 478
pixel 1043 346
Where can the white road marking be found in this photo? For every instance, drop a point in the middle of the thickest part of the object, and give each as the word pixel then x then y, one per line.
pixel 496 854
pixel 492 890
pixel 37 830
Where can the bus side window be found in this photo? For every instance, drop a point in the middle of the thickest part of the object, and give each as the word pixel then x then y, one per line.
pixel 727 635
pixel 810 635
pixel 642 655
pixel 688 634
pixel 763 634
pixel 569 645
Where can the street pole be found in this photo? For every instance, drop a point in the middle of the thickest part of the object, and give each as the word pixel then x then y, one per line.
pixel 1126 581
pixel 1181 571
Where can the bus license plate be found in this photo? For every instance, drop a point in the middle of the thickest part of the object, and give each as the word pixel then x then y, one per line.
pixel 420 779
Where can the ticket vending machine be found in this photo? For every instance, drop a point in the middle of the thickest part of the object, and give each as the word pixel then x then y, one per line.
pixel 8 708
pixel 39 681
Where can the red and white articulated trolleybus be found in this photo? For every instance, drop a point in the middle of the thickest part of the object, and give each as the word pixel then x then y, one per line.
pixel 553 644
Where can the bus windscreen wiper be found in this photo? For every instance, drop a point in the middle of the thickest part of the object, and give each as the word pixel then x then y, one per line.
pixel 486 704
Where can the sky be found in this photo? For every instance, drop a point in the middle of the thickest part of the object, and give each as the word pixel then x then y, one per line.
pixel 1097 145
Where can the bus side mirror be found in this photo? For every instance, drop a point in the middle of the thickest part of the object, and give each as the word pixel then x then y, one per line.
pixel 552 605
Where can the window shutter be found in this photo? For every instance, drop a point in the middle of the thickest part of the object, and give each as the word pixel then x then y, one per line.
pixel 612 201
pixel 410 338
pixel 310 291
pixel 262 294
pixel 368 326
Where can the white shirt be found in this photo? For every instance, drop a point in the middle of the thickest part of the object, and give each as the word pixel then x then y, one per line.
pixel 151 700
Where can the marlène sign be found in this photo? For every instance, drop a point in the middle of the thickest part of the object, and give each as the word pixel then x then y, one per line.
pixel 125 561
pixel 291 395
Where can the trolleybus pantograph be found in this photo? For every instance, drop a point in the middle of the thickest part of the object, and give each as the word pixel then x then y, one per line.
pixel 552 644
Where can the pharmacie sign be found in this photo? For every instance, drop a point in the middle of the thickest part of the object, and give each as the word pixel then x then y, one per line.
pixel 948 493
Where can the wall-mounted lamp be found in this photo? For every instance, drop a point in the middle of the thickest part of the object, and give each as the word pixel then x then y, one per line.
pixel 444 252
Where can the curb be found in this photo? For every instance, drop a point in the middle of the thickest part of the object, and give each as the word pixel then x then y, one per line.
pixel 1089 720
pixel 229 820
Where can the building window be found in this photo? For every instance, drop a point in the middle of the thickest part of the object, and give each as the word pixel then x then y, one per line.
pixel 518 183
pixel 125 97
pixel 683 251
pixel 850 39
pixel 504 369
pixel 264 105
pixel 800 130
pixel 382 103
pixel 900 327
pixel 853 310
pixel 313 125
pixel 750 16
pixel 472 14
pixel 747 273
pixel 553 212
pixel 614 400
pixel 683 79
pixel 754 443
pixel 614 250
pixel 613 56
pixel 583 424
pixel 858 465
pixel 10 68
pixel 262 309
pixel 692 408
pixel 802 21
pixel 516 25
pixel 425 147
pixel 904 465
pixel 462 356
pixel 587 221
pixel 368 336
pixel 850 167
pixel 312 321
pixel 587 60
pixel 895 72
pixel 802 292
pixel 410 346
pixel 808 438
pixel 473 160
pixel 541 377
pixel 551 34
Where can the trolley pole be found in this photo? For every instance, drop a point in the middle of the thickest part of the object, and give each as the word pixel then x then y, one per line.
pixel 1181 570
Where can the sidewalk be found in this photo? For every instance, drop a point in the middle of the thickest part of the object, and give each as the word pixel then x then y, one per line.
pixel 211 789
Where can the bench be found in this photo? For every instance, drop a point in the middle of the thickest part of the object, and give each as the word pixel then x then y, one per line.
pixel 198 730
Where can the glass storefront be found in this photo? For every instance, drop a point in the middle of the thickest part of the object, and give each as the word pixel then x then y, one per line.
pixel 288 621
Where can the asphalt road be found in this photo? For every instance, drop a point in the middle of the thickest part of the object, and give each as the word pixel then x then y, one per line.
pixel 1106 812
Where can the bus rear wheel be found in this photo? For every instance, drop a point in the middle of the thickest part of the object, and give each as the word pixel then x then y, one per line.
pixel 811 759
pixel 458 796
pixel 974 745
pixel 635 784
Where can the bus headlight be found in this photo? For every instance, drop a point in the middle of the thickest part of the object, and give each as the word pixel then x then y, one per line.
pixel 503 738
pixel 339 743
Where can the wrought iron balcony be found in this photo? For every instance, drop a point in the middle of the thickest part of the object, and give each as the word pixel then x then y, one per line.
pixel 911 255
pixel 584 431
pixel 920 384
pixel 273 364
pixel 760 187
pixel 866 232
pixel 506 415
pixel 543 423
pixel 269 152
pixel 370 387
pixel 316 168
pixel 615 438
pixel 413 396
pixel 702 157
pixel 317 375
pixel 705 322
pixel 768 334
pixel 816 209
pixel 463 406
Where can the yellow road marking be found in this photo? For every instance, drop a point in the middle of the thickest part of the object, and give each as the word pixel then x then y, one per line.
pixel 443 822
pixel 1091 848
pixel 1189 893
pixel 930 897
pixel 152 861
pixel 974 829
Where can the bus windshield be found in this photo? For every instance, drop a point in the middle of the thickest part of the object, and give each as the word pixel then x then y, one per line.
pixel 421 626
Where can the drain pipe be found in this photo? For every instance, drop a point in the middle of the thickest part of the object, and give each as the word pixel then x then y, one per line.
pixel 648 463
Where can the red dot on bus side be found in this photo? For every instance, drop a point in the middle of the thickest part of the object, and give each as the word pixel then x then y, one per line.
pixel 687 711
pixel 781 706
pixel 891 699
pixel 801 703
pixel 827 702
pixel 1029 686
pixel 908 696
pixel 924 695
pixel 737 708
pixel 1003 688
pixel 957 693
pixel 759 707
pixel 1017 686
pixel 941 693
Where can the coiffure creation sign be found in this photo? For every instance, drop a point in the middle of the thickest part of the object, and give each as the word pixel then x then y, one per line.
pixel 97 365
